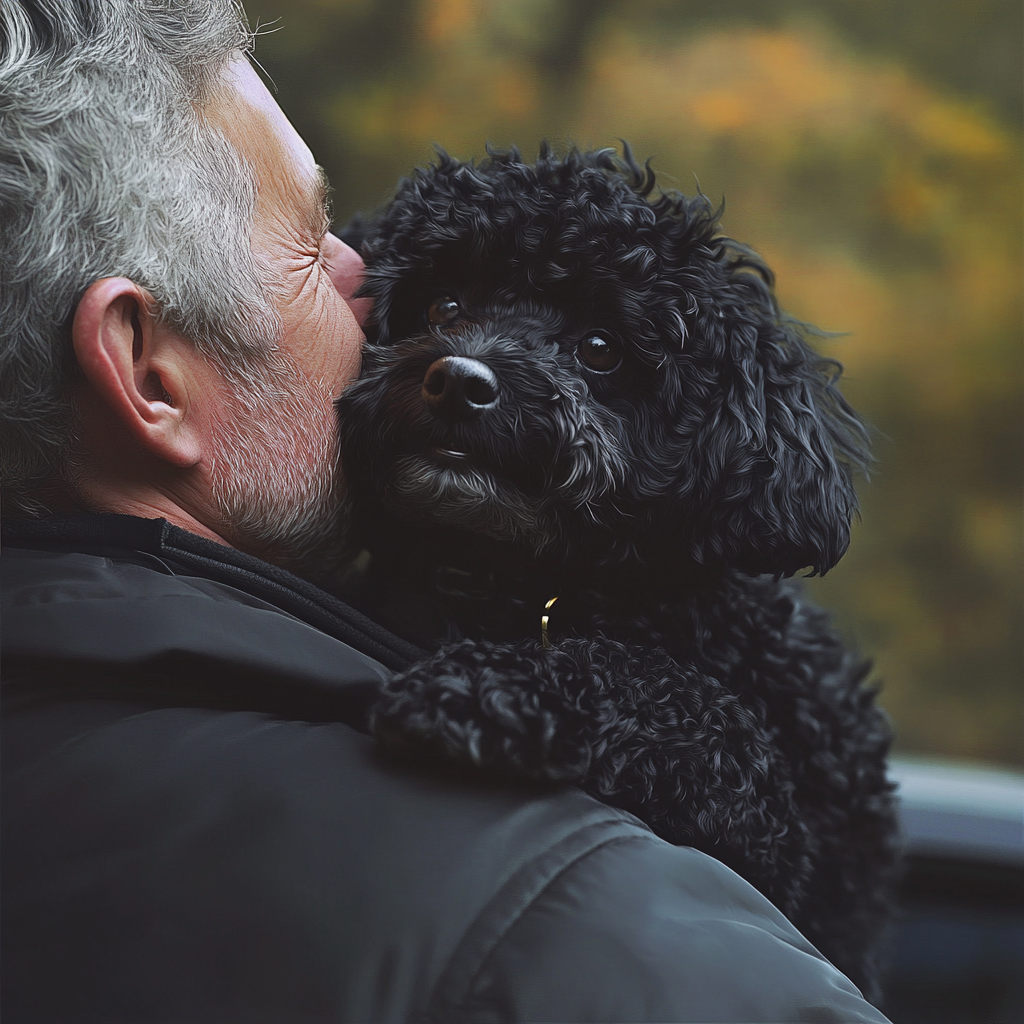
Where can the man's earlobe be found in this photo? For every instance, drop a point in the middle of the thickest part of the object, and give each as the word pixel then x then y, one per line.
pixel 135 367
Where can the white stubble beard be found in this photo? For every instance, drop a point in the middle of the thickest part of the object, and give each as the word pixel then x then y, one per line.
pixel 275 473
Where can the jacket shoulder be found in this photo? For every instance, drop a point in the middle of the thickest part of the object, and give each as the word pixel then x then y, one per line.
pixel 226 864
pixel 640 930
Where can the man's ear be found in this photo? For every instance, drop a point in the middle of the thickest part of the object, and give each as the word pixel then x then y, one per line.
pixel 138 368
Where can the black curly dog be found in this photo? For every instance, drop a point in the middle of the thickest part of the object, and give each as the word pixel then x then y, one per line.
pixel 577 388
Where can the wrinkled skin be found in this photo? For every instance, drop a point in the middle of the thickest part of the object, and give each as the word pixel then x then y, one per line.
pixel 660 481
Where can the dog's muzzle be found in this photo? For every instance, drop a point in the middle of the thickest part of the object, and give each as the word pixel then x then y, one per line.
pixel 457 388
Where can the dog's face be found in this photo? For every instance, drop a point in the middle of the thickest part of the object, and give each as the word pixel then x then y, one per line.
pixel 577 372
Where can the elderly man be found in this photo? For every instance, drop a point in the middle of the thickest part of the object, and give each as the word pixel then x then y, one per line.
pixel 196 828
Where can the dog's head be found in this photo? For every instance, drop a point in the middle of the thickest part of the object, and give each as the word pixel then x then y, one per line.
pixel 576 368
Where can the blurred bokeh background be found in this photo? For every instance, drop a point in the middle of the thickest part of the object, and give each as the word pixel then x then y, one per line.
pixel 871 150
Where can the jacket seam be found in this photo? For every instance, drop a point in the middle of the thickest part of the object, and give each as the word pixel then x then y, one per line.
pixel 444 1008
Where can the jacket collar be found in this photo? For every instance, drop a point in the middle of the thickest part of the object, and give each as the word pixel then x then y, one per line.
pixel 156 544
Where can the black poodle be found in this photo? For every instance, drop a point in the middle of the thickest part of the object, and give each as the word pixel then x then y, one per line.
pixel 586 452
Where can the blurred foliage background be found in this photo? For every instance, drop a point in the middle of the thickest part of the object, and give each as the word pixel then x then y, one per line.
pixel 871 150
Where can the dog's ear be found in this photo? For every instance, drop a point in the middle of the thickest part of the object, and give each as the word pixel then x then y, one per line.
pixel 778 445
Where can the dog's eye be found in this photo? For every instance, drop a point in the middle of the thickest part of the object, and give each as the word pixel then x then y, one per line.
pixel 443 310
pixel 599 353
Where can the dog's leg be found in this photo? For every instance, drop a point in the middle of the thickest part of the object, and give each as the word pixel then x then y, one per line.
pixel 628 725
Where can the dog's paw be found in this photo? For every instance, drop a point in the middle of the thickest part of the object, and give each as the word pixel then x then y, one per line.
pixel 505 708
pixel 627 725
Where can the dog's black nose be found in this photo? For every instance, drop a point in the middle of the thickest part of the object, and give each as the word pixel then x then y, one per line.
pixel 457 388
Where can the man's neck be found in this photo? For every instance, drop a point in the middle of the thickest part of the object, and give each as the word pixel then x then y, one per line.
pixel 145 503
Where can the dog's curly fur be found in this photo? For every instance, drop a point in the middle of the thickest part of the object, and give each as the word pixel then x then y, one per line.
pixel 663 499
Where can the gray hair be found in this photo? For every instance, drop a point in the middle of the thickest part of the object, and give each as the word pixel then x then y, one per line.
pixel 108 169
